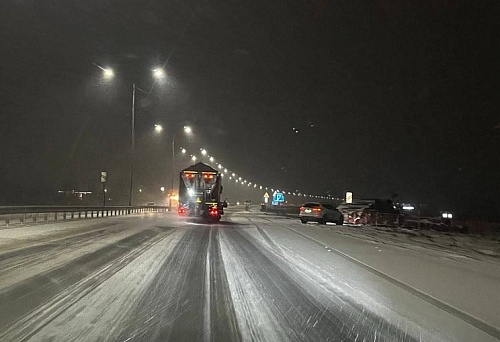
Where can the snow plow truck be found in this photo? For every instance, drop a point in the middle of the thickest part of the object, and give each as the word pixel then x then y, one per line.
pixel 200 189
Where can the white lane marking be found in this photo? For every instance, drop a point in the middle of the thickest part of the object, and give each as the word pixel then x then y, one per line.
pixel 206 316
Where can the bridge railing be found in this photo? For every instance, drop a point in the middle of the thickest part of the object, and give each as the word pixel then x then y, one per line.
pixel 33 214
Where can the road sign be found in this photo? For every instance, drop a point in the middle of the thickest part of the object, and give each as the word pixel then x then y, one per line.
pixel 104 176
pixel 348 197
pixel 266 198
pixel 266 195
pixel 278 197
pixel 198 200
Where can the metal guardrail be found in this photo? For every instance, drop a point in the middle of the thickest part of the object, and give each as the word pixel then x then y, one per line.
pixel 32 214
pixel 285 210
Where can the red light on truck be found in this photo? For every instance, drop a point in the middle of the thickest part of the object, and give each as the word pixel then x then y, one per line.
pixel 213 211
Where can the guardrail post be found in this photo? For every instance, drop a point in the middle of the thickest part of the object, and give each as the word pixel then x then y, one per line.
pixel 23 217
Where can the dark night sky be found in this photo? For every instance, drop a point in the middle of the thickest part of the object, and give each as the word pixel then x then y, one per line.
pixel 403 96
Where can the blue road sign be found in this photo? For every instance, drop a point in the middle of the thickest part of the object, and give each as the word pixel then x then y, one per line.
pixel 278 197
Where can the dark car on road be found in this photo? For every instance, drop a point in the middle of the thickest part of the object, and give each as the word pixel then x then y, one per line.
pixel 321 213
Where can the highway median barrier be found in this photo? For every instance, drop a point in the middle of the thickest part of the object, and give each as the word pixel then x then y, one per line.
pixel 38 214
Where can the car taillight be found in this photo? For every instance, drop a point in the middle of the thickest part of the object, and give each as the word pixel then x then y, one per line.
pixel 181 210
pixel 213 212
pixel 301 209
pixel 316 209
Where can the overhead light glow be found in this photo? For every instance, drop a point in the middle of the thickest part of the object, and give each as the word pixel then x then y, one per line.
pixel 159 73
pixel 108 73
pixel 158 128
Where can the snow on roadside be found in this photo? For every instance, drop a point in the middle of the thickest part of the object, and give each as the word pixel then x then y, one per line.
pixel 470 245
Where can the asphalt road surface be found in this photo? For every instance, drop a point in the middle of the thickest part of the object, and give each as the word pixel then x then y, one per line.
pixel 158 277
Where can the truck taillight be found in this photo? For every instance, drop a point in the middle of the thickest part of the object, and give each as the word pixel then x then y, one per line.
pixel 181 210
pixel 213 212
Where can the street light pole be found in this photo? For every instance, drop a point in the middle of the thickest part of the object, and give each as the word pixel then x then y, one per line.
pixel 132 148
pixel 108 74
pixel 187 130
pixel 173 171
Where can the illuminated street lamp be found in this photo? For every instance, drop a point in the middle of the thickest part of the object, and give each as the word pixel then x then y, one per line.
pixel 159 73
pixel 158 128
pixel 108 73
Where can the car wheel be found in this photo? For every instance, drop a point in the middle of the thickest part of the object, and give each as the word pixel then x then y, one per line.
pixel 323 220
pixel 303 220
pixel 340 221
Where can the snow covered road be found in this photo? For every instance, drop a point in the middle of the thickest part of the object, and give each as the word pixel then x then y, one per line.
pixel 155 277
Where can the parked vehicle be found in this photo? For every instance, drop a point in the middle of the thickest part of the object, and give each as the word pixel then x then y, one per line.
pixel 321 213
pixel 371 212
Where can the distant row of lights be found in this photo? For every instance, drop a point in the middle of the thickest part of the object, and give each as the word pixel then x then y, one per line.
pixel 225 172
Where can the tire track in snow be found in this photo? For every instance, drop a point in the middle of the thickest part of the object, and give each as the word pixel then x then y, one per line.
pixel 476 322
pixel 272 306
